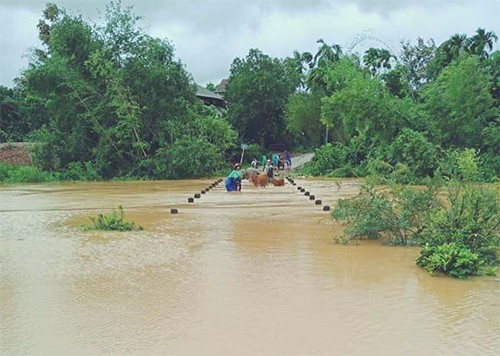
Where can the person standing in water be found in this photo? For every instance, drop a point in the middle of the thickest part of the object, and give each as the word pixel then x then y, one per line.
pixel 288 160
pixel 263 160
pixel 233 180
pixel 269 169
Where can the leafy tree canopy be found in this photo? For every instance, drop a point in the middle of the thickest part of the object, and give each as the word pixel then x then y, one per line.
pixel 258 89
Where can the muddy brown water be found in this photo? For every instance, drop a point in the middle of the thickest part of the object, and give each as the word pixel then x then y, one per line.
pixel 255 272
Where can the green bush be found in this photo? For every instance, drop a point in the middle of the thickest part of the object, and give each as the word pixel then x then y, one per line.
pixel 490 164
pixel 451 258
pixel 379 167
pixel 115 221
pixel 188 157
pixel 25 174
pixel 80 171
pixel 400 213
pixel 412 149
pixel 463 165
pixel 330 157
pixel 472 220
pixel 4 171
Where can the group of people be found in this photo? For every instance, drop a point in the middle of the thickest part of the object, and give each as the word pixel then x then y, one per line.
pixel 279 161
pixel 233 180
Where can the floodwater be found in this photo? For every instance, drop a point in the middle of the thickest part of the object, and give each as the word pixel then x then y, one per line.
pixel 249 273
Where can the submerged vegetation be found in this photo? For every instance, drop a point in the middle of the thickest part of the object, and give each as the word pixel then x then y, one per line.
pixel 114 221
pixel 457 223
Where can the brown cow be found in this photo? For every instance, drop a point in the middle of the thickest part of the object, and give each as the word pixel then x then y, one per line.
pixel 259 180
pixel 278 182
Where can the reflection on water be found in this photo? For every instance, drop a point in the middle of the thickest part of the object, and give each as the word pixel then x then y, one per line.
pixel 254 272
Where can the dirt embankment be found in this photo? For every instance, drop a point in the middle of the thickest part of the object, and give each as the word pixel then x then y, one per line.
pixel 16 153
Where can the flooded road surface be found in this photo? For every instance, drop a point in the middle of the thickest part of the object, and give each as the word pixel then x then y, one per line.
pixel 255 272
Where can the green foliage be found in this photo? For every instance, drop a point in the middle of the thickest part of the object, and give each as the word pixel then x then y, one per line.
pixel 399 213
pixel 460 103
pixel 359 104
pixel 303 119
pixel 12 125
pixel 463 165
pixel 330 157
pixel 258 89
pixel 109 101
pixel 24 174
pixel 415 60
pixel 412 149
pixel 114 221
pixel 188 157
pixel 115 96
pixel 472 220
pixel 377 59
pixel 198 148
pixel 450 258
pixel 490 271
pixel 80 171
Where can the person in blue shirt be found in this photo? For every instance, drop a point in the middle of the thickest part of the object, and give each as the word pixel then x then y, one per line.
pixel 233 180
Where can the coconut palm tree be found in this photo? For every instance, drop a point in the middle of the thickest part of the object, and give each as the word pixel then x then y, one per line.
pixel 482 42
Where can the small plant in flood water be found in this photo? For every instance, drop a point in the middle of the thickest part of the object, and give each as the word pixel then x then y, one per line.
pixel 490 271
pixel 114 221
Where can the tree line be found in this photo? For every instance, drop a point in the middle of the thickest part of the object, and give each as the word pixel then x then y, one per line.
pixel 110 99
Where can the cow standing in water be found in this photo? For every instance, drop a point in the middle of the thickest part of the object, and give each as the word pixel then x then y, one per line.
pixel 278 182
pixel 259 180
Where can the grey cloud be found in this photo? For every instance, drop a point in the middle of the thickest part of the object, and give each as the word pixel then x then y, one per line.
pixel 209 34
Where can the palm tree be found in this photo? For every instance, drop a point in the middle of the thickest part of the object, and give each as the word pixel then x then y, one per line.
pixel 453 47
pixel 326 54
pixel 482 42
pixel 299 63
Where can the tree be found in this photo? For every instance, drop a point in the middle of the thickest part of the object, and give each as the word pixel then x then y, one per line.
pixel 482 42
pixel 115 97
pixel 459 102
pixel 325 56
pixel 298 65
pixel 12 125
pixel 415 60
pixel 258 89
pixel 303 119
pixel 450 50
pixel 377 59
pixel 360 105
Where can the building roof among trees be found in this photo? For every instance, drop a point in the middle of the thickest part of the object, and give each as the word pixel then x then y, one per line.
pixel 209 98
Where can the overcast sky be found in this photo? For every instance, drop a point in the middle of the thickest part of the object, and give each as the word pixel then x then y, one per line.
pixel 208 34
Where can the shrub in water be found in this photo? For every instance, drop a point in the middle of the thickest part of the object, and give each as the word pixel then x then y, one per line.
pixel 452 258
pixel 472 220
pixel 115 221
pixel 399 212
